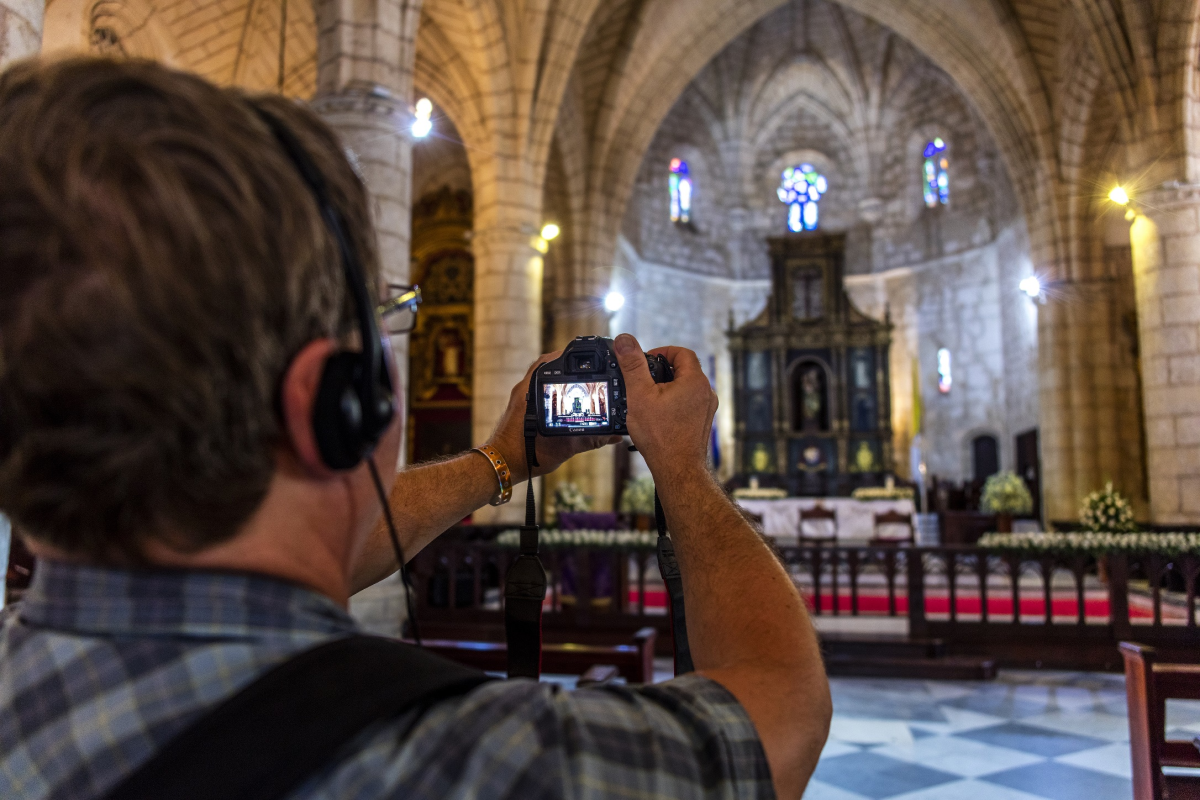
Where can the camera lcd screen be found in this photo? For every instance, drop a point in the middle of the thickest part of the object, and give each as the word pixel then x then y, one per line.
pixel 576 405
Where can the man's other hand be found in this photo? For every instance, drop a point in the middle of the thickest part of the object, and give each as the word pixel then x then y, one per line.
pixel 509 436
pixel 670 423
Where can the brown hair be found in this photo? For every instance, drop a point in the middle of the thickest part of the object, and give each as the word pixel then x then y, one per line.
pixel 161 262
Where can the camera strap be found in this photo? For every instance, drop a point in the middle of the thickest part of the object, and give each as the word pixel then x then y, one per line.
pixel 669 567
pixel 525 581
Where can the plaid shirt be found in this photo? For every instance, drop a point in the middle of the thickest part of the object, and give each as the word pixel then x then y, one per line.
pixel 99 668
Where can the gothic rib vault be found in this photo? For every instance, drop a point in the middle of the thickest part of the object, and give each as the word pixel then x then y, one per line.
pixel 561 99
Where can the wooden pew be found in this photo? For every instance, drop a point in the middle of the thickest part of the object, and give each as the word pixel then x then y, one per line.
pixel 634 661
pixel 1148 685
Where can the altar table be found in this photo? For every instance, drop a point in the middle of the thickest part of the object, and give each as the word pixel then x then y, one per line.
pixel 855 518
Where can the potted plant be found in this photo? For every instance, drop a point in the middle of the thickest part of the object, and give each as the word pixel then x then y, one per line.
pixel 569 498
pixel 1006 496
pixel 637 500
pixel 1106 511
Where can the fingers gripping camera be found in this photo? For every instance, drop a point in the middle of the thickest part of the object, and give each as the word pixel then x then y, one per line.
pixel 583 391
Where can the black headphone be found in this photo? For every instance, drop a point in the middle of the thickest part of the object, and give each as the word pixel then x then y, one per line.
pixel 355 400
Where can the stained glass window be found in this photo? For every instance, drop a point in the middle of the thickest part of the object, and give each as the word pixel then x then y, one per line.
pixel 681 191
pixel 936 174
pixel 801 188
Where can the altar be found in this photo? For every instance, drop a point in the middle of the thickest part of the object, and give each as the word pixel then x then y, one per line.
pixel 855 518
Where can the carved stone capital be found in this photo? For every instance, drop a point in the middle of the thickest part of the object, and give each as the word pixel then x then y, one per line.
pixel 360 98
pixel 1170 196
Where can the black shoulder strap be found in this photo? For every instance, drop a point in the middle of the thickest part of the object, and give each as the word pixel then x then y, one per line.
pixel 272 735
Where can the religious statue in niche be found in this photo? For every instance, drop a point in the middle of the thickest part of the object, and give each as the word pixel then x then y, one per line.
pixel 812 460
pixel 864 458
pixel 450 356
pixel 760 460
pixel 810 397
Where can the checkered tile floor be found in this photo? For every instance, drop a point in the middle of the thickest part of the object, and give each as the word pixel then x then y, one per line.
pixel 1024 736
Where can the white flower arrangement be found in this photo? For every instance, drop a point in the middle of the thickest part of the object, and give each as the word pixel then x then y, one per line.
pixel 1006 493
pixel 883 493
pixel 554 537
pixel 638 496
pixel 1107 511
pixel 569 497
pixel 1093 543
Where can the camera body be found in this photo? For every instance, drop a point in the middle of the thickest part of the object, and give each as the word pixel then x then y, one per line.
pixel 582 393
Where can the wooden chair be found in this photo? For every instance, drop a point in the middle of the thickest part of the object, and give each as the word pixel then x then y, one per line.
pixel 893 518
pixel 821 514
pixel 635 661
pixel 1148 685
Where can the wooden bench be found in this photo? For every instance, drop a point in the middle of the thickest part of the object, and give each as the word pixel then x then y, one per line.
pixel 634 661
pixel 1148 686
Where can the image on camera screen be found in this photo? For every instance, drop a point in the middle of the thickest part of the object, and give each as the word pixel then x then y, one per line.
pixel 576 405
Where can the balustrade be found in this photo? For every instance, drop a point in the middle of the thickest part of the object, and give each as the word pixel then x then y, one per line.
pixel 1033 608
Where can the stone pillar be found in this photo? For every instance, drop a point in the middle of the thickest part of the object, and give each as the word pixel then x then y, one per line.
pixel 591 472
pixel 365 56
pixel 20 29
pixel 1166 265
pixel 508 332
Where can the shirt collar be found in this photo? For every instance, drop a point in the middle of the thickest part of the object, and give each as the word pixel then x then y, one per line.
pixel 104 601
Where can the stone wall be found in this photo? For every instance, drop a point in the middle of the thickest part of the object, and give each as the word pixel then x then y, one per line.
pixel 967 302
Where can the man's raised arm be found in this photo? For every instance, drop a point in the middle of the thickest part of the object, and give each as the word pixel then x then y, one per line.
pixel 747 625
pixel 427 499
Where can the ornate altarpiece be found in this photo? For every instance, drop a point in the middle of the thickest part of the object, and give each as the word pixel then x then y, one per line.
pixel 441 347
pixel 812 396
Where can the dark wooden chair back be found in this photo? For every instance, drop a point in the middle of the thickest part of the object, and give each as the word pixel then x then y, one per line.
pixel 634 661
pixel 1148 685
pixel 819 513
pixel 893 518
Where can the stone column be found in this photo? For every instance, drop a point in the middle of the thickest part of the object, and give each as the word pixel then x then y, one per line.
pixel 592 472
pixel 508 332
pixel 1166 264
pixel 20 29
pixel 365 55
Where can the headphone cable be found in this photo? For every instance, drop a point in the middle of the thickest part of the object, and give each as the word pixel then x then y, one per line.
pixel 391 526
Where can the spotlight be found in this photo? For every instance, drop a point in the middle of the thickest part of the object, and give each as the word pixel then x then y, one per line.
pixel 614 301
pixel 422 125
pixel 1119 196
pixel 550 231
pixel 1031 286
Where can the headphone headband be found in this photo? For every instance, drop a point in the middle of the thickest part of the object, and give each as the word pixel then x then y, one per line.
pixel 355 401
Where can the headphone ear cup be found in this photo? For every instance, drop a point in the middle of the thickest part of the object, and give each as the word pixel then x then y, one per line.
pixel 338 413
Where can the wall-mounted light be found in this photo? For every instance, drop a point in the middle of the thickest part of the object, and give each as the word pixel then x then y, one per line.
pixel 1031 286
pixel 614 301
pixel 1119 196
pixel 550 231
pixel 422 124
pixel 540 244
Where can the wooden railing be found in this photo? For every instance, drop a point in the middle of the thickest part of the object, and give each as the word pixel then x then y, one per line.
pixel 1023 610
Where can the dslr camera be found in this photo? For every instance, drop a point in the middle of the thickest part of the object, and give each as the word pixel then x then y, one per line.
pixel 583 392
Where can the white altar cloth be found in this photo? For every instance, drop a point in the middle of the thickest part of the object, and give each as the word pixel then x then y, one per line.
pixel 855 518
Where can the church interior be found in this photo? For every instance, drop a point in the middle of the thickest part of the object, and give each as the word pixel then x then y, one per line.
pixel 940 262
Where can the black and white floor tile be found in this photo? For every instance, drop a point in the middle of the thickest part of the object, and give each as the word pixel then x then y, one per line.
pixel 1024 736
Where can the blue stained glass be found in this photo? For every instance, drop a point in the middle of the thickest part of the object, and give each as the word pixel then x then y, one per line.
pixel 680 186
pixel 801 189
pixel 936 174
pixel 810 216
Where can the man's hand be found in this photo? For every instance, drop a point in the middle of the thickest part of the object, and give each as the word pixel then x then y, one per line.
pixel 509 436
pixel 669 422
